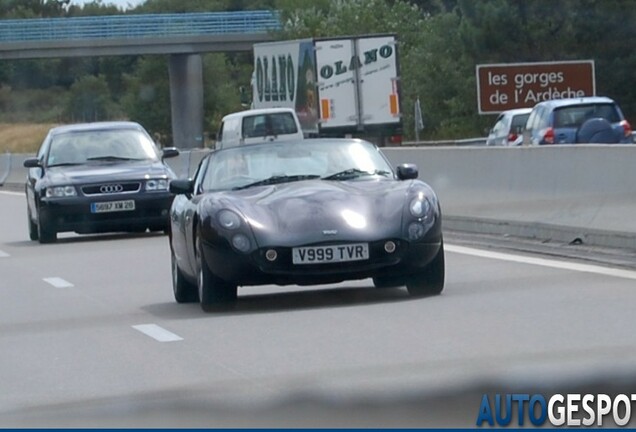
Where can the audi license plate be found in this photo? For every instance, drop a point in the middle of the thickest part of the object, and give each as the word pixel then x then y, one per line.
pixel 330 254
pixel 112 206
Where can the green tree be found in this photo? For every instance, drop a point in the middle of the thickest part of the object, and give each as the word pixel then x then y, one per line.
pixel 146 98
pixel 512 31
pixel 602 30
pixel 89 100
pixel 223 77
pixel 33 8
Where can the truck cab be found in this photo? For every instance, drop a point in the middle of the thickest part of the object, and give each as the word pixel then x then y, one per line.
pixel 258 125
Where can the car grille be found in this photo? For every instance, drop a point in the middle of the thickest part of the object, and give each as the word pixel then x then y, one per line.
pixel 111 188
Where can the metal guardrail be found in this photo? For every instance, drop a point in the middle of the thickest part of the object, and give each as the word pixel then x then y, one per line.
pixel 138 26
pixel 440 143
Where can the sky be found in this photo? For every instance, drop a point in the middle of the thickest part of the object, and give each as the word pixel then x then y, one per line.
pixel 121 4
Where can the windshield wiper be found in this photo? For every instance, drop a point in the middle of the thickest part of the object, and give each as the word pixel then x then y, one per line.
pixel 111 158
pixel 353 173
pixel 278 179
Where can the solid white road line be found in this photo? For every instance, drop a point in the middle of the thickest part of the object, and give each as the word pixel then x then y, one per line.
pixel 12 193
pixel 586 268
pixel 157 333
pixel 3 254
pixel 58 282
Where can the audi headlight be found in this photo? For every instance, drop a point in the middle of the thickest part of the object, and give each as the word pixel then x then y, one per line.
pixel 420 207
pixel 228 219
pixel 157 185
pixel 60 191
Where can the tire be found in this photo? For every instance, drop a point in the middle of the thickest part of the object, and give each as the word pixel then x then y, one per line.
pixel 214 292
pixel 184 291
pixel 597 131
pixel 46 231
pixel 431 280
pixel 33 227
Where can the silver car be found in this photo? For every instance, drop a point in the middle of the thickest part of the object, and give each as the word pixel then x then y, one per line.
pixel 508 128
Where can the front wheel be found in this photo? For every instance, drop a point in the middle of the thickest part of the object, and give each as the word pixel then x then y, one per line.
pixel 33 227
pixel 184 291
pixel 46 231
pixel 214 292
pixel 430 281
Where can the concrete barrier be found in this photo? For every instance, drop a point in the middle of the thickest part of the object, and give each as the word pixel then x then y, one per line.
pixel 5 167
pixel 567 193
pixel 564 193
pixel 15 177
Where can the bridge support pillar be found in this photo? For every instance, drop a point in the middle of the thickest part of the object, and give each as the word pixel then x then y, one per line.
pixel 186 94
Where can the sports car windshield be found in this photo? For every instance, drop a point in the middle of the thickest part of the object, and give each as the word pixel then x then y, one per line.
pixel 273 163
pixel 116 145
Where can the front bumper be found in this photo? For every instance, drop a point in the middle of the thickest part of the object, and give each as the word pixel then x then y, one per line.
pixel 255 269
pixel 74 214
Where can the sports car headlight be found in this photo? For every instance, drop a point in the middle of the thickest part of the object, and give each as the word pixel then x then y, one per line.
pixel 416 231
pixel 157 185
pixel 60 191
pixel 229 220
pixel 420 207
pixel 241 242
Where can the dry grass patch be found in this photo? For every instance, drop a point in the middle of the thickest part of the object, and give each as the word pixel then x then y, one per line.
pixel 22 137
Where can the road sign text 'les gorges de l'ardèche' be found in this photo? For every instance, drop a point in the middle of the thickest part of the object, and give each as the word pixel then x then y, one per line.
pixel 502 87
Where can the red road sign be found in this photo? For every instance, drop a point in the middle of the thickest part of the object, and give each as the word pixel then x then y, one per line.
pixel 518 85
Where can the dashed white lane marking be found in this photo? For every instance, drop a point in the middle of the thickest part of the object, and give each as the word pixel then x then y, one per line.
pixel 3 254
pixel 586 268
pixel 157 333
pixel 58 282
pixel 12 193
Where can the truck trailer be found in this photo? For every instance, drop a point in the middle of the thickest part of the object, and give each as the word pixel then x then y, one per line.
pixel 345 86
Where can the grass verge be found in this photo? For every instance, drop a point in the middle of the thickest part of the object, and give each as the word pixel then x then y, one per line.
pixel 22 137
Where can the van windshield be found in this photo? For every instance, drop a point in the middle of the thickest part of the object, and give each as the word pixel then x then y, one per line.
pixel 271 124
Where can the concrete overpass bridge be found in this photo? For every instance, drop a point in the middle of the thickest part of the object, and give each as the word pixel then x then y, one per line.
pixel 184 37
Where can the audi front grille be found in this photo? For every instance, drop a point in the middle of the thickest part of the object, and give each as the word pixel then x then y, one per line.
pixel 111 188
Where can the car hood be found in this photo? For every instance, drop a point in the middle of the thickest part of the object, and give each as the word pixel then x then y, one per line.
pixel 316 211
pixel 107 172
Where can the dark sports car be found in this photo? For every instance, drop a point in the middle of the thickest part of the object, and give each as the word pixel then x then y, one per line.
pixel 98 177
pixel 310 212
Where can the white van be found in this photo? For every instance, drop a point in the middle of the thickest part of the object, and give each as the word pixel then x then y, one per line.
pixel 257 126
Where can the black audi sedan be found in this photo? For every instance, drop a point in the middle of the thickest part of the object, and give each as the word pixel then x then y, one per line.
pixel 304 212
pixel 95 178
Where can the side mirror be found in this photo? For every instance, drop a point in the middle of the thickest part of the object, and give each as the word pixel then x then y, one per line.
pixel 181 186
pixel 407 171
pixel 32 163
pixel 169 152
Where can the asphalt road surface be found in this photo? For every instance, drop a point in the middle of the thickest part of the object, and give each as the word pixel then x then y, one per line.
pixel 90 336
